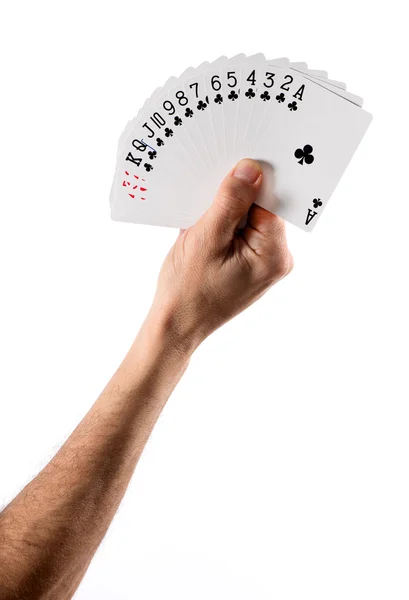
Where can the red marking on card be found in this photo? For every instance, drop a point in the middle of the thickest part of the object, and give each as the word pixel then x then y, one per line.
pixel 126 173
pixel 136 176
pixel 143 179
pixel 124 183
pixel 143 198
pixel 131 195
pixel 134 187
pixel 143 189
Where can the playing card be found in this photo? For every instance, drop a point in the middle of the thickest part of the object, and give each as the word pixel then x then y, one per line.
pixel 214 81
pixel 247 118
pixel 155 159
pixel 312 142
pixel 302 126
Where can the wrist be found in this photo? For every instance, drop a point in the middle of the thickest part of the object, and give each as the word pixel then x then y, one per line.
pixel 157 358
pixel 173 330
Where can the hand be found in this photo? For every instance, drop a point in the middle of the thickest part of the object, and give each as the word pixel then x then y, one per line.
pixel 215 270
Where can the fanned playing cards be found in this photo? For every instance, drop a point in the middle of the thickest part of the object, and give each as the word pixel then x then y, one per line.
pixel 301 126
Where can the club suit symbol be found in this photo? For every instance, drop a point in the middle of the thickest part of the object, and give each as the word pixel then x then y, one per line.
pixel 305 155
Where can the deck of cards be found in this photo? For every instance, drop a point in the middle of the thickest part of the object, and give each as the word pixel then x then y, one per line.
pixel 301 126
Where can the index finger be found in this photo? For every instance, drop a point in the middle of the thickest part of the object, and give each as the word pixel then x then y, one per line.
pixel 264 232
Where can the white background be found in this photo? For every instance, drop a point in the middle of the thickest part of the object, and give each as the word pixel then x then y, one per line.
pixel 279 469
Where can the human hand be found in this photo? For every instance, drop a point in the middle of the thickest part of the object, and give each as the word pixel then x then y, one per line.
pixel 215 270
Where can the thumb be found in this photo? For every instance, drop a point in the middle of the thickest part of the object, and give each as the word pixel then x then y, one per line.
pixel 236 194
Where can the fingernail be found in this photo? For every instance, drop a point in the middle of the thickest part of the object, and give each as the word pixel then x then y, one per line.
pixel 248 170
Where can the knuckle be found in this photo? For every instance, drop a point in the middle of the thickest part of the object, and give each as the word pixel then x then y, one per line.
pixel 271 271
pixel 290 263
pixel 284 264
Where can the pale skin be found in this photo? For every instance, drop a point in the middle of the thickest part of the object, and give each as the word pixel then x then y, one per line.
pixel 51 530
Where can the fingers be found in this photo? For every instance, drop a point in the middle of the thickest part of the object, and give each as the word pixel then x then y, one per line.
pixel 263 227
pixel 265 235
pixel 233 200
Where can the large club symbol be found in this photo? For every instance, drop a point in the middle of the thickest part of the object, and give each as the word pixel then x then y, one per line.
pixel 305 155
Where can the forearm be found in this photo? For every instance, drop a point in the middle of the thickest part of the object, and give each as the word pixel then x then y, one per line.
pixel 50 532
